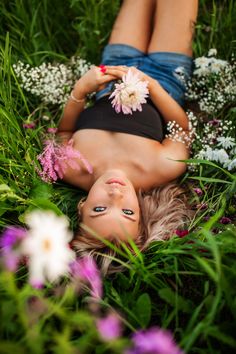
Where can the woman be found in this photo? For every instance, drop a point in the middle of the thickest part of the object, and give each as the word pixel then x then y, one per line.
pixel 129 154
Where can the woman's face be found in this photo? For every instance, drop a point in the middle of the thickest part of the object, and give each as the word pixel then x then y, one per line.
pixel 111 208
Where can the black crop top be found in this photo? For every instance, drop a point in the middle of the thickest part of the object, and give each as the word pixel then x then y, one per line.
pixel 147 123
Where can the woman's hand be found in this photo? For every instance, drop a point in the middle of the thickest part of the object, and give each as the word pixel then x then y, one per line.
pixel 120 71
pixel 94 80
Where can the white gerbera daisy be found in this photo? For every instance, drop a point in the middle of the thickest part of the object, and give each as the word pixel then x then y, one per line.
pixel 47 247
pixel 130 94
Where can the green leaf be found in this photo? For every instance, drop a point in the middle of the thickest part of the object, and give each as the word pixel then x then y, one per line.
pixel 143 309
pixel 175 300
pixel 41 190
pixel 43 204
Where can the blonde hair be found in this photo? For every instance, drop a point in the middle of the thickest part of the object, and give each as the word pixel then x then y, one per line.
pixel 163 210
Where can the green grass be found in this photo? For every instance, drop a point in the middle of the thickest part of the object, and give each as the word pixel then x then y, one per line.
pixel 185 285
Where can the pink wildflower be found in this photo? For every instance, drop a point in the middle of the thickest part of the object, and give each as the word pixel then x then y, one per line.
pixel 225 220
pixel 86 269
pixel 109 327
pixel 52 130
pixel 198 191
pixel 30 125
pixel 181 233
pixel 55 159
pixel 129 94
pixel 154 341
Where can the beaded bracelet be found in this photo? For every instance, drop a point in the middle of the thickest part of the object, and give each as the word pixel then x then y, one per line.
pixel 176 133
pixel 75 99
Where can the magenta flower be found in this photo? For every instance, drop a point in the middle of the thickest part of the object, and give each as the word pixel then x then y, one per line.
pixel 30 125
pixel 214 122
pixel 154 341
pixel 10 244
pixel 130 94
pixel 86 269
pixel 52 130
pixel 198 191
pixel 181 233
pixel 56 158
pixel 225 220
pixel 109 327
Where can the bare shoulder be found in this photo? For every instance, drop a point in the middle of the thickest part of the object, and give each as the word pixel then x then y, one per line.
pixel 170 152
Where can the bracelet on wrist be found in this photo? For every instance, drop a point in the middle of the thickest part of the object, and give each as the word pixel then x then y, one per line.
pixel 76 99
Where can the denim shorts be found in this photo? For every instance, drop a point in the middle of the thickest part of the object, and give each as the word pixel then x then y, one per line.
pixel 171 70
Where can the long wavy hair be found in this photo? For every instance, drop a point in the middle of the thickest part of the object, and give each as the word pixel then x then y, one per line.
pixel 163 210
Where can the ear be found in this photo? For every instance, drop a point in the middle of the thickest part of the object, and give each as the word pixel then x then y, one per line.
pixel 80 205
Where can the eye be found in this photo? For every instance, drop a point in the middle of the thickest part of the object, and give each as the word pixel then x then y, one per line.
pixel 99 209
pixel 128 211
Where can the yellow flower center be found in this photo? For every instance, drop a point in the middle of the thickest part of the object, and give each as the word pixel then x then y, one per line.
pixel 47 245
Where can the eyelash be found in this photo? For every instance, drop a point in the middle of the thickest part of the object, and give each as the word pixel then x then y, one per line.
pixel 100 209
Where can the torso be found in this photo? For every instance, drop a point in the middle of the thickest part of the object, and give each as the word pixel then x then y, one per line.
pixel 142 159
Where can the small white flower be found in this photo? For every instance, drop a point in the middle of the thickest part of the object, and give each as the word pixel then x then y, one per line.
pixel 212 52
pixel 226 142
pixel 47 247
pixel 130 94
pixel 216 65
pixel 232 165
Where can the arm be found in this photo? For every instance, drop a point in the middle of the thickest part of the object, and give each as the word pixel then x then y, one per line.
pixel 90 82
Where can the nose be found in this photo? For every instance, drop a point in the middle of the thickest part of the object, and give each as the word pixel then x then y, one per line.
pixel 115 193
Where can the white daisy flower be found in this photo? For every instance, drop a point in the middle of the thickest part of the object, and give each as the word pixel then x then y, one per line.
pixel 47 247
pixel 216 65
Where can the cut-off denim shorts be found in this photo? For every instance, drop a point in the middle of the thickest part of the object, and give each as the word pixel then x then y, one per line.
pixel 171 70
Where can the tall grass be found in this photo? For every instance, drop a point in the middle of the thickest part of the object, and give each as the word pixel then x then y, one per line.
pixel 186 285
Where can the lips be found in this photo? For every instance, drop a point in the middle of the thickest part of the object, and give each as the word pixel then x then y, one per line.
pixel 116 181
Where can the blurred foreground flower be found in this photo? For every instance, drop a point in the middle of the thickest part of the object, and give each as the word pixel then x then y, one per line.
pixel 109 327
pixel 10 244
pixel 154 341
pixel 86 270
pixel 46 245
pixel 130 93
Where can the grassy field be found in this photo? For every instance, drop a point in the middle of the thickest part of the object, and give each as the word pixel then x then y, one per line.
pixel 186 285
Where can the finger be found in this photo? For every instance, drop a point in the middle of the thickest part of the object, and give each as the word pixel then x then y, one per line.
pixel 118 67
pixel 107 78
pixel 115 72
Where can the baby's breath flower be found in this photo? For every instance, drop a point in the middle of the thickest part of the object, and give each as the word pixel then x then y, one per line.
pixel 52 83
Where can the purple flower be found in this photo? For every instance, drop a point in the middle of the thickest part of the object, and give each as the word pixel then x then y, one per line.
pixel 30 125
pixel 154 341
pixel 198 191
pixel 109 327
pixel 86 269
pixel 214 122
pixel 10 246
pixel 225 220
pixel 181 233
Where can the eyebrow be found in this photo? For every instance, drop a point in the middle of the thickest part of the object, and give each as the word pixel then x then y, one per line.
pixel 101 214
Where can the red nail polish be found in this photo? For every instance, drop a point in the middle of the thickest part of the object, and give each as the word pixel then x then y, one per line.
pixel 102 68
